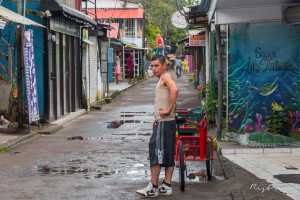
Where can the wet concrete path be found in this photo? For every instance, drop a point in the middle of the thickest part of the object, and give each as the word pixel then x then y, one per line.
pixel 103 155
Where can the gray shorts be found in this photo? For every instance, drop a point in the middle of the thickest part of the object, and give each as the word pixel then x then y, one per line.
pixel 162 144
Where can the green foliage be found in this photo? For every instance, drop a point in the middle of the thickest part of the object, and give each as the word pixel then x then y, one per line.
pixel 210 103
pixel 151 31
pixel 158 20
pixel 4 149
pixel 277 122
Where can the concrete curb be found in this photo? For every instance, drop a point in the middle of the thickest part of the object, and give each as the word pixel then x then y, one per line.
pixel 13 143
pixel 47 130
pixel 50 129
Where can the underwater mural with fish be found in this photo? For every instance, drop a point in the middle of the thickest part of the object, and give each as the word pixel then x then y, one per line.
pixel 263 73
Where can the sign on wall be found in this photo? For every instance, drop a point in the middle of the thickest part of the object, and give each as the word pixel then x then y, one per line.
pixel 197 40
pixel 263 72
pixel 30 77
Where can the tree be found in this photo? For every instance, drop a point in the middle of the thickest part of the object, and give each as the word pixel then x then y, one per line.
pixel 158 20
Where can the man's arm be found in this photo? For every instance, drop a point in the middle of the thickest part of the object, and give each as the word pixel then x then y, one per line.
pixel 168 81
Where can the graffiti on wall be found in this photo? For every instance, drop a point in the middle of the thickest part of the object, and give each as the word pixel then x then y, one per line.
pixel 263 73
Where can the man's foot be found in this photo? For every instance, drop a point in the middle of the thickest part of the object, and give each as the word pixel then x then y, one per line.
pixel 150 191
pixel 165 189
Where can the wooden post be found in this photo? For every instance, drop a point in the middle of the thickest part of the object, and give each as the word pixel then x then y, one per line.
pixel 220 84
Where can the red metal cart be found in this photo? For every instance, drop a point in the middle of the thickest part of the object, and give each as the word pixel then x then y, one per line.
pixel 196 146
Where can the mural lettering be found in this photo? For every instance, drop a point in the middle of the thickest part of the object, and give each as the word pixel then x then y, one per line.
pixel 264 61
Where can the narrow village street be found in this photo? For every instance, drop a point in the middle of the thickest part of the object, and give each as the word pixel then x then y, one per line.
pixel 93 159
pixel 88 101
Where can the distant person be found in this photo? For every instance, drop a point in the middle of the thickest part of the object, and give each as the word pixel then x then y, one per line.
pixel 185 64
pixel 163 140
pixel 171 65
pixel 178 67
pixel 118 73
pixel 130 67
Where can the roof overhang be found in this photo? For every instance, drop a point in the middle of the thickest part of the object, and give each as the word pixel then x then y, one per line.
pixel 197 15
pixel 120 13
pixel 291 14
pixel 11 16
pixel 245 11
pixel 55 7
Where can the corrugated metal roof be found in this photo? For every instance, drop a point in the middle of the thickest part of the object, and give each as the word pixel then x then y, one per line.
pixel 55 7
pixel 11 16
pixel 120 13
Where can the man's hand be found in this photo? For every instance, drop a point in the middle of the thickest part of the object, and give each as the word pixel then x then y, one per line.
pixel 164 112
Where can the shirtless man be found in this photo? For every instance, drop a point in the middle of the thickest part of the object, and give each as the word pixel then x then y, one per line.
pixel 163 139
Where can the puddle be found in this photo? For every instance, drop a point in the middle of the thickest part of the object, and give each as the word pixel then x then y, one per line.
pixel 116 124
pixel 288 178
pixel 136 112
pixel 87 138
pixel 135 122
pixel 290 167
pixel 92 168
pixel 75 138
pixel 128 115
pixel 133 114
pixel 86 172
pixel 138 165
pixel 132 134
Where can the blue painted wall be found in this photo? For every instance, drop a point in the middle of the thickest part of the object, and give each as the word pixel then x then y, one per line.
pixel 9 33
pixel 264 68
pixel 110 63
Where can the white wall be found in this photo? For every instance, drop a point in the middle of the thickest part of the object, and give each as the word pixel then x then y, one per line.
pixel 94 84
pixel 137 41
pixel 111 4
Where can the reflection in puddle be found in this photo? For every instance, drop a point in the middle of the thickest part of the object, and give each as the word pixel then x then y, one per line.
pixel 117 123
pixel 90 168
pixel 45 170
pixel 132 134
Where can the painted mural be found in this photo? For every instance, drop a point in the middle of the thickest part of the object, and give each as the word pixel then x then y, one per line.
pixel 263 74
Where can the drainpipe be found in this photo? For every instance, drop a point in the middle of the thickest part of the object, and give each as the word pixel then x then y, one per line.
pixel 220 84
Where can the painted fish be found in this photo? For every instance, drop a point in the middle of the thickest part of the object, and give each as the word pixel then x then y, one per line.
pixel 276 106
pixel 267 89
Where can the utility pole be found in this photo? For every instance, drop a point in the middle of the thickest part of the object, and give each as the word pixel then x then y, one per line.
pixel 21 7
pixel 220 84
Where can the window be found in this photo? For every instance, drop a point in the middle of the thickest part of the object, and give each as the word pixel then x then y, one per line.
pixel 129 28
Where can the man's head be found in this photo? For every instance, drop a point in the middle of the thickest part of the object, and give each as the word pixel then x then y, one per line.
pixel 158 64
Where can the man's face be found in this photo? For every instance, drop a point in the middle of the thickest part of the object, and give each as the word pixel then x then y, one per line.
pixel 157 67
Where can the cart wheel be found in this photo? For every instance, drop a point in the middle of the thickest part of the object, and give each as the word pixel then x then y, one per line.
pixel 209 163
pixel 181 167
